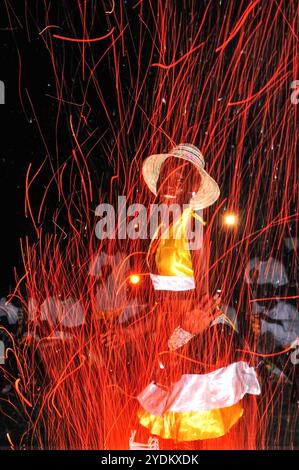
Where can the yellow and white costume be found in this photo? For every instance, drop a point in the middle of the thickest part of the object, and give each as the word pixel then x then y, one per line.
pixel 174 271
pixel 197 406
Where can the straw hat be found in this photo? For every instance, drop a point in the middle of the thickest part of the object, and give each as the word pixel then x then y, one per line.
pixel 208 192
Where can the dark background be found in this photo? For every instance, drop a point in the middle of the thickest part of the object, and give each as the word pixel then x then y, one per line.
pixel 20 140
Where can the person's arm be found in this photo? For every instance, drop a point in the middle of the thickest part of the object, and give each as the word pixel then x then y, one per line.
pixel 205 311
pixel 145 324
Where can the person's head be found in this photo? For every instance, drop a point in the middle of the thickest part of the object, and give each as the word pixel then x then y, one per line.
pixel 179 176
pixel 178 181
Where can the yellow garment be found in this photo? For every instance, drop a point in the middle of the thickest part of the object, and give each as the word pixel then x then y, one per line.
pixel 192 426
pixel 173 257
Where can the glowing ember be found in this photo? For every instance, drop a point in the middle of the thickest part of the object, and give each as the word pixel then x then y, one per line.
pixel 230 219
pixel 134 279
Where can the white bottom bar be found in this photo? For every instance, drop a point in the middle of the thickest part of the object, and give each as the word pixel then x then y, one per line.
pixel 172 283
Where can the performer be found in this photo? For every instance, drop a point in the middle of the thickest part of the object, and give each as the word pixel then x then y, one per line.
pixel 198 390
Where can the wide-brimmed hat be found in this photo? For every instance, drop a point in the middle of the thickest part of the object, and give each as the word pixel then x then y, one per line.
pixel 209 190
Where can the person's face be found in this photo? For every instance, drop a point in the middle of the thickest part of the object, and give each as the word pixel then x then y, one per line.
pixel 178 181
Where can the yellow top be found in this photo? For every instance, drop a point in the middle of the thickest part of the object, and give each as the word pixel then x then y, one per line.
pixel 173 257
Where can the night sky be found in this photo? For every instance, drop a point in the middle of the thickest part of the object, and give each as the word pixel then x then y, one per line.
pixel 22 58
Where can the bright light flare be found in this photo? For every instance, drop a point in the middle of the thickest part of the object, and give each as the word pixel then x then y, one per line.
pixel 231 220
pixel 134 279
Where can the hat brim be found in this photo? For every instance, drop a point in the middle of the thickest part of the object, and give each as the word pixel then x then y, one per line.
pixel 208 192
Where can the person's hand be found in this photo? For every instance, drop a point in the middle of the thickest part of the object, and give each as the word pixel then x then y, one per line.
pixel 112 340
pixel 205 312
